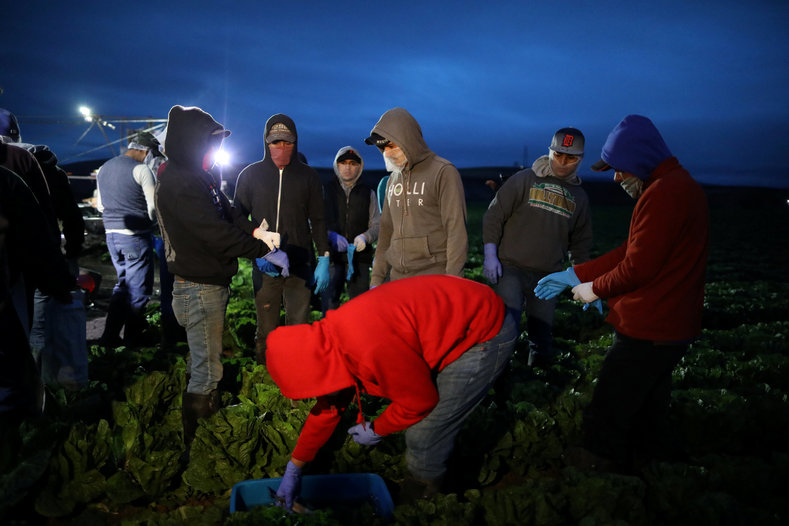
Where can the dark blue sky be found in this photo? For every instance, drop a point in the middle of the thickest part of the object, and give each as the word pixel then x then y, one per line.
pixel 488 81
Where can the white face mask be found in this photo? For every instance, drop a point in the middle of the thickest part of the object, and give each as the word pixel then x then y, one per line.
pixel 394 159
pixel 633 186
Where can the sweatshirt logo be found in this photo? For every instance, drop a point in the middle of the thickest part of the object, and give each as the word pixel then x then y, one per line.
pixel 552 197
pixel 402 195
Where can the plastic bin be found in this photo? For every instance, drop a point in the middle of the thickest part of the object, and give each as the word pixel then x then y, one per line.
pixel 319 491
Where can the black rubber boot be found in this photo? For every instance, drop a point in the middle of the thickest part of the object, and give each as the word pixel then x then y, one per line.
pixel 116 317
pixel 195 407
pixel 135 332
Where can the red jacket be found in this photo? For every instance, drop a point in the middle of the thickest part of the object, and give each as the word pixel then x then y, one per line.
pixel 391 340
pixel 654 282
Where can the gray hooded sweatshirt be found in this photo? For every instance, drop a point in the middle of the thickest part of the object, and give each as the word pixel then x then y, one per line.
pixel 423 221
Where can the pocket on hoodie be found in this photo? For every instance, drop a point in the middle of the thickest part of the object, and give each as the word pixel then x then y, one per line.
pixel 417 253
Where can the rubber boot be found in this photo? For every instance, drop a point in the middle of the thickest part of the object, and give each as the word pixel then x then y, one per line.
pixel 414 488
pixel 260 352
pixel 195 407
pixel 134 333
pixel 116 317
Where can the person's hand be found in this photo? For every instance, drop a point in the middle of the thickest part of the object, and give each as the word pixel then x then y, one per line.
pixel 360 242
pixel 267 267
pixel 551 285
pixel 321 275
pixel 363 434
pixel 351 250
pixel 491 267
pixel 338 241
pixel 584 293
pixel 290 486
pixel 271 239
pixel 280 259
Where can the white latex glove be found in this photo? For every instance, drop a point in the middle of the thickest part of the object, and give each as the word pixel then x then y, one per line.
pixel 584 293
pixel 360 242
pixel 269 238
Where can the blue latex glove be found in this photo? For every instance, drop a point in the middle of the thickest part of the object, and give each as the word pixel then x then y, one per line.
pixel 597 304
pixel 338 241
pixel 266 267
pixel 491 267
pixel 279 259
pixel 290 486
pixel 551 285
pixel 351 250
pixel 321 275
pixel 363 434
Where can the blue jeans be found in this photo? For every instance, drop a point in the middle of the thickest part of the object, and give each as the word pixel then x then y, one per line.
pixel 200 309
pixel 132 257
pixel 516 288
pixel 461 386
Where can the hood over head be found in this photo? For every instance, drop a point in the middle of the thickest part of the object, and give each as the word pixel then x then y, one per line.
pixel 400 127
pixel 348 152
pixel 303 363
pixel 634 146
pixel 191 133
pixel 281 118
pixel 9 125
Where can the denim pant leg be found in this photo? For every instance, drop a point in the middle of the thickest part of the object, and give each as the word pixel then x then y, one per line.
pixel 139 270
pixel 330 298
pixel 120 292
pixel 268 303
pixel 200 309
pixel 510 290
pixel 539 317
pixel 461 386
pixel 360 281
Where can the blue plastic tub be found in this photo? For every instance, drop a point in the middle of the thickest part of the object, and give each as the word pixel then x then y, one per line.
pixel 319 491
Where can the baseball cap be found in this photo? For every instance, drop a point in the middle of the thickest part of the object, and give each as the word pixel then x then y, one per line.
pixel 350 154
pixel 568 140
pixel 377 140
pixel 9 125
pixel 280 132
pixel 600 166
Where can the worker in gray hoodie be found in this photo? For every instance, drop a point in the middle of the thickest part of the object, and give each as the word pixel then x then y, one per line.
pixel 539 217
pixel 353 219
pixel 423 219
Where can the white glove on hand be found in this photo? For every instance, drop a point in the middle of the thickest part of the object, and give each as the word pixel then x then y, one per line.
pixel 269 238
pixel 360 242
pixel 584 292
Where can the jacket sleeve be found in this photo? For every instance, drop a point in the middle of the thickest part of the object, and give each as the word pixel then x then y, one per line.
pixel 321 422
pixel 507 199
pixel 453 216
pixel 581 235
pixel 380 265
pixel 320 235
pixel 374 224
pixel 67 210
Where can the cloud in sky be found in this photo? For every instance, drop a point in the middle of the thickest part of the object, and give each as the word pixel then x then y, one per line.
pixel 486 82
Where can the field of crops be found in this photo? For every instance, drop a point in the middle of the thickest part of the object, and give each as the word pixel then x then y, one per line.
pixel 109 454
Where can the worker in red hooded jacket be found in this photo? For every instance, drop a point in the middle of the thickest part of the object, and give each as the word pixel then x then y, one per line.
pixel 433 345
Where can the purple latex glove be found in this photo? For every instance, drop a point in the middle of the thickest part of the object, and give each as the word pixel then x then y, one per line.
pixel 290 487
pixel 363 434
pixel 338 241
pixel 491 267
pixel 280 259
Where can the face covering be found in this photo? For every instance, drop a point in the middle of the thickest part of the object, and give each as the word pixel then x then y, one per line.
pixel 394 159
pixel 281 155
pixel 633 186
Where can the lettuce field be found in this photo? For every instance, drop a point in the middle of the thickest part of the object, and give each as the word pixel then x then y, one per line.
pixel 110 454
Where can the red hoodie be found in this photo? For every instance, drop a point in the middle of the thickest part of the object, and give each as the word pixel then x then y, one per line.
pixel 391 340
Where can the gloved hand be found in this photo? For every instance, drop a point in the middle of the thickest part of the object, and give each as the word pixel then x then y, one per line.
pixel 351 250
pixel 279 259
pixel 360 242
pixel 321 275
pixel 338 241
pixel 290 486
pixel 267 267
pixel 272 239
pixel 491 267
pixel 363 434
pixel 551 285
